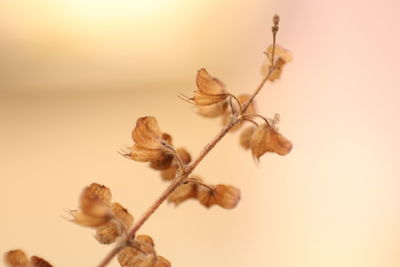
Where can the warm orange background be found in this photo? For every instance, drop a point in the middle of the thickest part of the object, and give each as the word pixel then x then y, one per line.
pixel 75 75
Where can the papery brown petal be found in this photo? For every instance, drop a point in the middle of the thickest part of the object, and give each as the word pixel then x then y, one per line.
pixel 162 262
pixel 202 99
pixel 167 138
pixel 266 139
pixel 162 164
pixel 280 52
pixel 169 174
pixel 39 262
pixel 95 200
pixel 208 84
pixel 147 134
pixel 108 233
pixel 129 257
pixel 182 193
pixel 205 196
pixel 142 154
pixel 227 196
pixel 122 215
pixel 16 258
pixel 145 239
pixel 212 111
pixel 88 220
pixel 246 136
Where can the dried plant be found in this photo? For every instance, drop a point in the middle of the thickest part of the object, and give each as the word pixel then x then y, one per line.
pixel 114 224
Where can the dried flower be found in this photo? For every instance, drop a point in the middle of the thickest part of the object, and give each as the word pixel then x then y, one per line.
pixel 210 90
pixel 17 258
pixel 150 142
pixel 108 233
pixel 266 139
pixel 282 56
pixel 169 173
pixel 184 192
pixel 226 196
pixel 245 137
pixel 122 215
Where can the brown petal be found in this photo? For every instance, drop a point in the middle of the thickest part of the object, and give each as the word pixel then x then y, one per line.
pixel 182 193
pixel 163 163
pixel 162 262
pixel 90 221
pixel 39 262
pixel 203 99
pixel 122 215
pixel 146 239
pixel 142 154
pixel 266 139
pixel 147 134
pixel 227 196
pixel 212 111
pixel 246 136
pixel 16 258
pixel 208 84
pixel 205 195
pixel 95 200
pixel 108 233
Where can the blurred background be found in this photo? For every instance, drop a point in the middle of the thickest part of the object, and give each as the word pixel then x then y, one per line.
pixel 75 75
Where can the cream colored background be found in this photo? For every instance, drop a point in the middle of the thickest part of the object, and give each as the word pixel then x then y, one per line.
pixel 75 75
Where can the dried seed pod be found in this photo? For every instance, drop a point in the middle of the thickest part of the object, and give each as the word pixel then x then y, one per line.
pixel 162 262
pixel 210 90
pixel 39 262
pixel 147 134
pixel 146 239
pixel 267 139
pixel 95 200
pixel 282 56
pixel 122 215
pixel 16 258
pixel 205 196
pixel 108 233
pixel 226 196
pixel 129 257
pixel 163 163
pixel 246 136
pixel 182 193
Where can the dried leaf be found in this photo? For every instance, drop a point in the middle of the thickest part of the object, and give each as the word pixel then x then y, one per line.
pixel 246 136
pixel 108 233
pixel 122 215
pixel 39 262
pixel 147 134
pixel 16 258
pixel 226 196
pixel 267 139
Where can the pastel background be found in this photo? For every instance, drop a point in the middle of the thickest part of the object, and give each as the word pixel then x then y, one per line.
pixel 75 75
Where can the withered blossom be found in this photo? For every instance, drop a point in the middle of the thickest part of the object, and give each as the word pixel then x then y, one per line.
pixel 170 172
pixel 267 139
pixel 210 90
pixel 18 258
pixel 281 57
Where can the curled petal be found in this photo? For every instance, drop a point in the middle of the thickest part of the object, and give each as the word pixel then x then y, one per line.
pixel 266 139
pixel 147 134
pixel 140 153
pixel 203 99
pixel 208 84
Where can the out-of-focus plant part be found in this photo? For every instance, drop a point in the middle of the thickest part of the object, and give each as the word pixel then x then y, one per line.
pixel 18 258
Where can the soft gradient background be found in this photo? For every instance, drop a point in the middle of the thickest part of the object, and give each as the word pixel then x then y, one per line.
pixel 75 75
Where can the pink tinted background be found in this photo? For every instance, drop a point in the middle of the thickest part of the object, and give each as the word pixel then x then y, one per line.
pixel 75 76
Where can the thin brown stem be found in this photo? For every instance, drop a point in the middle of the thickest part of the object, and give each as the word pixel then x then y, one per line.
pixel 245 116
pixel 186 172
pixel 194 181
